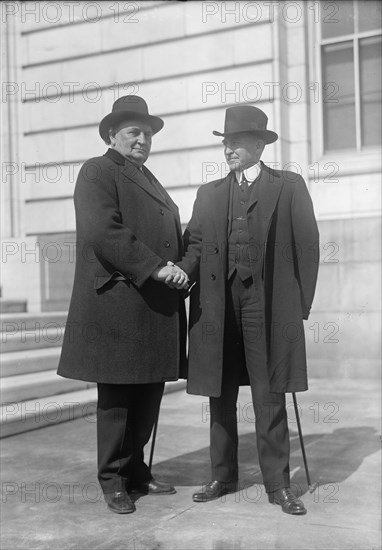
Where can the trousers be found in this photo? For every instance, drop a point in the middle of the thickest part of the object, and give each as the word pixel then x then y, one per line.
pixel 245 355
pixel 126 414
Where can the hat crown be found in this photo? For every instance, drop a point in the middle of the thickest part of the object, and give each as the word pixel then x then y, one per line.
pixel 128 107
pixel 244 118
pixel 247 118
pixel 132 103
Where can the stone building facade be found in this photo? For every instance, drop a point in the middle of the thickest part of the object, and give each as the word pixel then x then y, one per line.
pixel 313 67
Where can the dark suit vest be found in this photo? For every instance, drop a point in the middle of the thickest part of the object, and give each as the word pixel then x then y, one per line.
pixel 238 239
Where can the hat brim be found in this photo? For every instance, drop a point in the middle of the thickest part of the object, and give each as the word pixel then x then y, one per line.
pixel 267 135
pixel 111 119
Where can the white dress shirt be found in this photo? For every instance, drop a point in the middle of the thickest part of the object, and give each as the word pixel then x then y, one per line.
pixel 250 173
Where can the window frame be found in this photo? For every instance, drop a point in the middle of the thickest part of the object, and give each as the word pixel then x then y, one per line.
pixel 369 153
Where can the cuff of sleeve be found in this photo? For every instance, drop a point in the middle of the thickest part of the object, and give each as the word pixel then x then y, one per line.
pixel 150 268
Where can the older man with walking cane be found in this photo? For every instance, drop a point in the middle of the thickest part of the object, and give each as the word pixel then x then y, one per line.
pixel 251 255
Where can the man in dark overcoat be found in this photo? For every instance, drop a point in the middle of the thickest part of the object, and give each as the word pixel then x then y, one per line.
pixel 251 252
pixel 125 328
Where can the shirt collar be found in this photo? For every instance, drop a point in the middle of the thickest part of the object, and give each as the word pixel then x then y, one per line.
pixel 250 173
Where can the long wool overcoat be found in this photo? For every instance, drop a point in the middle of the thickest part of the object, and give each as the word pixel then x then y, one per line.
pixel 123 327
pixel 283 250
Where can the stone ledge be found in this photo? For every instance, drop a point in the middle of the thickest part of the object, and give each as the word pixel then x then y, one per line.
pixel 30 415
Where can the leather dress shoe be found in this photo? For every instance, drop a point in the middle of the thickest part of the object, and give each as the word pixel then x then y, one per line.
pixel 289 503
pixel 154 487
pixel 213 490
pixel 119 502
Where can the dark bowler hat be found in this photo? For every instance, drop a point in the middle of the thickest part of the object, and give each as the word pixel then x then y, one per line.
pixel 127 107
pixel 245 118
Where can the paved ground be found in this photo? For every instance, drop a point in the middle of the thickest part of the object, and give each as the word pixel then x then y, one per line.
pixel 51 499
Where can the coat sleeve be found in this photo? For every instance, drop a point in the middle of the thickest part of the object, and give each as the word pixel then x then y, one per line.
pixel 306 237
pixel 193 243
pixel 100 225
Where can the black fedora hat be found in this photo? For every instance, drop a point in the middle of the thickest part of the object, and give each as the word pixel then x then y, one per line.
pixel 127 107
pixel 246 118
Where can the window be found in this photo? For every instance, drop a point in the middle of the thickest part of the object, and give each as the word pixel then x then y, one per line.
pixel 351 62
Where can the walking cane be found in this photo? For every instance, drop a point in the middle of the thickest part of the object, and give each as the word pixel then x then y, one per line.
pixel 153 443
pixel 311 487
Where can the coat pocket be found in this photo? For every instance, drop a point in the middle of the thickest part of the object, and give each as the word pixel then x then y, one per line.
pixel 101 280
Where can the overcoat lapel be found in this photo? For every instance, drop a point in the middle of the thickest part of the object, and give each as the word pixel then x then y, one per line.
pixel 164 196
pixel 264 196
pixel 135 176
pixel 220 209
pixel 163 191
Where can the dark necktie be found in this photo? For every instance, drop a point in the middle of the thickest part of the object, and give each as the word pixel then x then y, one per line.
pixel 244 184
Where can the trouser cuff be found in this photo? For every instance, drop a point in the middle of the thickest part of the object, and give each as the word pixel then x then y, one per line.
pixel 113 485
pixel 271 486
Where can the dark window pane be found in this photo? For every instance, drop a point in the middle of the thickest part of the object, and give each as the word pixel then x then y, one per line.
pixel 370 81
pixel 337 18
pixel 369 15
pixel 338 96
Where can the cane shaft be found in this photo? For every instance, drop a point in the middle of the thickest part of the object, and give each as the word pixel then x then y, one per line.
pixel 153 444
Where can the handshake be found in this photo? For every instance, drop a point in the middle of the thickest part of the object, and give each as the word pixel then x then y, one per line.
pixel 172 275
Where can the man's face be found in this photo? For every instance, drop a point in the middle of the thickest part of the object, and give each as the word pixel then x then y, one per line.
pixel 132 138
pixel 242 150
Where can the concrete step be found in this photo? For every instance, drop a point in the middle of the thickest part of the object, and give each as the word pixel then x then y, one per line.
pixel 25 362
pixel 35 338
pixel 30 415
pixel 12 306
pixel 35 385
pixel 13 322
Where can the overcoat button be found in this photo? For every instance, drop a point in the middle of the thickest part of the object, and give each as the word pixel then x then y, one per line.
pixel 167 244
pixel 161 211
pixel 216 250
pixel 213 277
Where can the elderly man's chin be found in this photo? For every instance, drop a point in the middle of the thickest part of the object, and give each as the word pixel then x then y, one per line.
pixel 138 157
pixel 233 164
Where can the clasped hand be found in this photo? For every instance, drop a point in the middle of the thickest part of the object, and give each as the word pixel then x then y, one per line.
pixel 172 275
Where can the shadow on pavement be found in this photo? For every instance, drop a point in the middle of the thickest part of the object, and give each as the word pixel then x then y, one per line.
pixel 332 458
